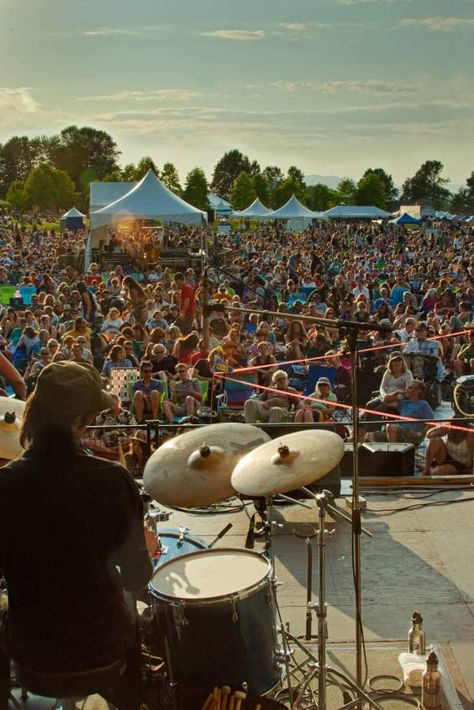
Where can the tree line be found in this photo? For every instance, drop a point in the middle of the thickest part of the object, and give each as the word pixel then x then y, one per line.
pixel 54 172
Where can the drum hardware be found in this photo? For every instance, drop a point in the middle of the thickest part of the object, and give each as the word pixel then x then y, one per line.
pixel 309 580
pixel 220 535
pixel 318 667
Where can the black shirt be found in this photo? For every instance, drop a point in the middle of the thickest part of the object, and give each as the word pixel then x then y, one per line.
pixel 66 523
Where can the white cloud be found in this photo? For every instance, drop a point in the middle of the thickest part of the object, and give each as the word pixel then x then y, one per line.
pixel 19 100
pixel 113 32
pixel 160 95
pixel 372 86
pixel 437 24
pixel 242 35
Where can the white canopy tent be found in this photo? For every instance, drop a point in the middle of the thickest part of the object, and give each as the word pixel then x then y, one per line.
pixel 293 209
pixel 148 199
pixel 356 212
pixel 256 210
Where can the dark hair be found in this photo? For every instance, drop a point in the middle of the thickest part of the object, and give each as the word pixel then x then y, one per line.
pixel 46 429
pixel 179 276
pixel 146 363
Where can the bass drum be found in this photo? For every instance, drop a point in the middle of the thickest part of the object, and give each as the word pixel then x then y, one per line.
pixel 174 543
pixel 215 612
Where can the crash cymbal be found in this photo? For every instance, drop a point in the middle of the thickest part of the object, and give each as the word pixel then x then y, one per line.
pixel 11 415
pixel 286 463
pixel 194 469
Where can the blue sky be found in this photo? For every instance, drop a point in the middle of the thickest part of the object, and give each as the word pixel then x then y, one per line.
pixel 332 86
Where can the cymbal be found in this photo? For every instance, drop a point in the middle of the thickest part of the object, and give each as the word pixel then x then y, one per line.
pixel 194 469
pixel 289 462
pixel 10 426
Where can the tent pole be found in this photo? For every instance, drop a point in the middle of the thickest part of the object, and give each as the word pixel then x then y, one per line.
pixel 205 294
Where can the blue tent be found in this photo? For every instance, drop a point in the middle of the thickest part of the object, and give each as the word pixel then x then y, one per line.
pixel 72 220
pixel 405 218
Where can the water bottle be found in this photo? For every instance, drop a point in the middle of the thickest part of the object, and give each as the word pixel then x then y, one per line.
pixel 431 685
pixel 416 635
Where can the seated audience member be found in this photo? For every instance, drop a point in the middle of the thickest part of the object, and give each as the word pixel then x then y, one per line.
pixel 185 395
pixel 115 358
pixel 113 417
pixel 412 406
pixel 146 393
pixel 420 346
pixel 450 450
pixel 137 455
pixel 395 382
pixel 263 357
pixel 83 552
pixel 321 411
pixel 272 406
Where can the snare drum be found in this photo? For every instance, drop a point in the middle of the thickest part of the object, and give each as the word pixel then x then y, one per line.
pixel 215 612
pixel 174 543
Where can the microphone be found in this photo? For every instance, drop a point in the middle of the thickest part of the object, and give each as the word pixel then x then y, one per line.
pixel 250 539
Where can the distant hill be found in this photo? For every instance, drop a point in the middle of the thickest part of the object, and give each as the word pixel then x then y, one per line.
pixel 331 181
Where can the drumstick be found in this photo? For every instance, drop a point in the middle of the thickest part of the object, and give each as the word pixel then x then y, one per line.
pixel 217 698
pixel 226 691
pixel 231 702
pixel 239 696
pixel 208 702
pixel 258 707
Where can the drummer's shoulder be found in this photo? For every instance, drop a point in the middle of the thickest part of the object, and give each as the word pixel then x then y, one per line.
pixel 105 466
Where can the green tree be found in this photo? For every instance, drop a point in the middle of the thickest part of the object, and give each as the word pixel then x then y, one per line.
pixel 169 177
pixel 16 195
pixel 49 188
pixel 262 188
pixel 274 176
pixel 462 202
pixel 293 184
pixel 128 173
pixel 346 192
pixel 391 192
pixel 228 168
pixel 428 184
pixel 86 154
pixel 196 189
pixel 143 166
pixel 371 191
pixel 18 156
pixel 321 197
pixel 243 192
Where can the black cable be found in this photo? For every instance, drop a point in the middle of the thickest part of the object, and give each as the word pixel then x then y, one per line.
pixel 416 506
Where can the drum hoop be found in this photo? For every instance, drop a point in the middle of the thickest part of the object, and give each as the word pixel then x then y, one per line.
pixel 240 594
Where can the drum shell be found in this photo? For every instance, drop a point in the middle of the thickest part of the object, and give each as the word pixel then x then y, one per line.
pixel 223 640
pixel 169 537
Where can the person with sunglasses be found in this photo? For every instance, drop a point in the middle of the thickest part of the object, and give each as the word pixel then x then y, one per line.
pixel 146 394
pixel 185 395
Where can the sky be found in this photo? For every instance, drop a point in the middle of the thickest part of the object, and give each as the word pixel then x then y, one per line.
pixel 331 86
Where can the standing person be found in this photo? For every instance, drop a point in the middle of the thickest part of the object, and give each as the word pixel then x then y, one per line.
pixel 66 611
pixel 137 300
pixel 187 305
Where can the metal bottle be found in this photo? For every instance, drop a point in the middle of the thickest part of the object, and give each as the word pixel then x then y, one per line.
pixel 416 635
pixel 431 685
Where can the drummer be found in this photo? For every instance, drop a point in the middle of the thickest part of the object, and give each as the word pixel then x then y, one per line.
pixel 71 541
pixel 273 406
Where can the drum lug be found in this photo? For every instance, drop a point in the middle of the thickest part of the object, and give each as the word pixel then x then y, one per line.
pixel 235 613
pixel 179 614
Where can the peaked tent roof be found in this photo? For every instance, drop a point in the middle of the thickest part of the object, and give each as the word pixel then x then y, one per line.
pixel 293 209
pixel 356 212
pixel 405 218
pixel 256 209
pixel 218 203
pixel 73 212
pixel 148 199
pixel 102 194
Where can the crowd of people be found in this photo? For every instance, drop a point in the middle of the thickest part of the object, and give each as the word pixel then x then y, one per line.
pixel 415 287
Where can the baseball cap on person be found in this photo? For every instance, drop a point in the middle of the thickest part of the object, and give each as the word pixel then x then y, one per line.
pixel 323 381
pixel 385 322
pixel 76 388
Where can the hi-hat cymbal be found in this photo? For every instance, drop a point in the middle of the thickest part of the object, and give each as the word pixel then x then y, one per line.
pixel 286 463
pixel 11 415
pixel 194 469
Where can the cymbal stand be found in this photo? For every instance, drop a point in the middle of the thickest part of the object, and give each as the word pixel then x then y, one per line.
pixel 318 667
pixel 309 582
